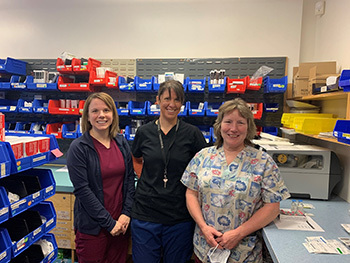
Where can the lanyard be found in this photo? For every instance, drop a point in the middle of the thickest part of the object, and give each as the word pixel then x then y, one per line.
pixel 165 156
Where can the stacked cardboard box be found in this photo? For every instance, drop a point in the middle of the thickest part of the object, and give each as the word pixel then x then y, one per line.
pixel 307 74
pixel 64 230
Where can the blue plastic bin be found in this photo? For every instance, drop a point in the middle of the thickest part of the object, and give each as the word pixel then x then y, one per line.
pixel 5 246
pixel 18 82
pixel 41 106
pixel 122 108
pixel 23 108
pixel 153 109
pixel 5 82
pixel 5 161
pixel 126 84
pixel 344 80
pixel 38 128
pixel 53 254
pixel 193 109
pixel 4 205
pixel 195 85
pixel 46 209
pixel 216 87
pixel 47 181
pixel 275 85
pixel 137 108
pixel 213 108
pixel 206 131
pixel 130 133
pixel 69 131
pixel 13 66
pixel 8 105
pixel 342 131
pixel 23 127
pixel 144 84
pixel 40 86
pixel 271 130
pixel 184 110
pixel 271 107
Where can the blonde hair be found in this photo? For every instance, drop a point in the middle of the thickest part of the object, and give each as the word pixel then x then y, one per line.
pixel 244 111
pixel 106 98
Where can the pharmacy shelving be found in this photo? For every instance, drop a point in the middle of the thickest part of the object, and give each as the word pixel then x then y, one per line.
pixel 21 218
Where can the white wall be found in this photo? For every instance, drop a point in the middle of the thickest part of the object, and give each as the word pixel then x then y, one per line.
pixel 327 38
pixel 151 28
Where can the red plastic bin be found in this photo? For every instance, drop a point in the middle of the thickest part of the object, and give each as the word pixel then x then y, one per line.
pixel 67 84
pixel 54 108
pixel 109 80
pixel 54 129
pixel 91 66
pixel 254 84
pixel 236 85
pixel 62 68
pixel 257 109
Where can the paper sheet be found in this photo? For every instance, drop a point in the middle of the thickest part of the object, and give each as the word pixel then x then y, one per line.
pixel 64 169
pixel 303 223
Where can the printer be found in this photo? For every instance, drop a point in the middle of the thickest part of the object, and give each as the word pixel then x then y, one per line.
pixel 308 171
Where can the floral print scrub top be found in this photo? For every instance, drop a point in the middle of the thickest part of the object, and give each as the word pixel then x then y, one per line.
pixel 230 194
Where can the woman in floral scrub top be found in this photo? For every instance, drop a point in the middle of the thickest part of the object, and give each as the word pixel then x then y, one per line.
pixel 233 189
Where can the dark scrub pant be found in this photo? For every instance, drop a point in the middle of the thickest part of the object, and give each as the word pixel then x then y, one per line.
pixel 103 248
pixel 152 241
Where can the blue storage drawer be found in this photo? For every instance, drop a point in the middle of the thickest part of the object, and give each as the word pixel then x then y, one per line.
pixel 69 131
pixel 5 161
pixel 24 106
pixel 153 109
pixel 216 87
pixel 41 106
pixel 206 131
pixel 195 85
pixel 194 108
pixel 130 133
pixel 137 108
pixel 13 66
pixel 344 80
pixel 126 84
pixel 8 105
pixel 5 246
pixel 342 131
pixel 275 85
pixel 53 254
pixel 184 110
pixel 4 205
pixel 144 84
pixel 122 108
pixel 213 108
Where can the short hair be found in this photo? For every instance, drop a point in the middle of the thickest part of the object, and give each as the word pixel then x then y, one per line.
pixel 174 85
pixel 244 111
pixel 106 98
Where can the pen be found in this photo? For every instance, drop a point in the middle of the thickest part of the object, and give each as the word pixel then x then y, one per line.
pixel 310 224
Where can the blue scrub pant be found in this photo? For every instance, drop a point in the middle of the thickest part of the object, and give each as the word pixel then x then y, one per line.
pixel 151 242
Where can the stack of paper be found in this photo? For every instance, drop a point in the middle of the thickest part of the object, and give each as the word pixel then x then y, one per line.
pixel 320 245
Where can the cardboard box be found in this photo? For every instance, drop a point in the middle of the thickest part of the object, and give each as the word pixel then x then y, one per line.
pixel 62 204
pixel 303 70
pixel 302 74
pixel 301 88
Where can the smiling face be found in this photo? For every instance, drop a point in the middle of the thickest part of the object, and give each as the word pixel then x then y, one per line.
pixel 170 105
pixel 99 116
pixel 234 130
